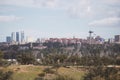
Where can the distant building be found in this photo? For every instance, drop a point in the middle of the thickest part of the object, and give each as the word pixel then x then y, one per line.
pixel 8 39
pixel 117 38
pixel 22 37
pixel 13 37
pixel 91 40
pixel 99 40
pixel 110 40
pixel 29 39
pixel 38 40
pixel 17 37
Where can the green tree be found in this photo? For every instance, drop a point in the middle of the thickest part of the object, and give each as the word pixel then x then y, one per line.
pixel 102 73
pixel 1 55
pixel 5 75
pixel 26 58
pixel 2 61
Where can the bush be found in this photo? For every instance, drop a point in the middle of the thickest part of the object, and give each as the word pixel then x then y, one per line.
pixel 5 75
pixel 102 73
pixel 61 77
pixel 41 74
pixel 48 70
pixel 39 78
pixel 26 58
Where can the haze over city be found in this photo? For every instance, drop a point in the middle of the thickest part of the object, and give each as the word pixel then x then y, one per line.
pixel 60 18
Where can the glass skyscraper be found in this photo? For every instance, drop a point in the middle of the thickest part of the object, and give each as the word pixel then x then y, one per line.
pixel 8 39
pixel 13 36
pixel 22 37
pixel 17 36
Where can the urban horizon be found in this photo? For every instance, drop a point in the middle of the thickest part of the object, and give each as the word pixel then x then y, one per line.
pixel 35 37
pixel 21 38
pixel 60 18
pixel 19 35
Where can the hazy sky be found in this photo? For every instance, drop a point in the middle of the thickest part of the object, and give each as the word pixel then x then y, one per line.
pixel 60 18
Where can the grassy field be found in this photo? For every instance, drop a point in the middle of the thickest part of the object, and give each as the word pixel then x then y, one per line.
pixel 72 72
pixel 25 72
pixel 30 72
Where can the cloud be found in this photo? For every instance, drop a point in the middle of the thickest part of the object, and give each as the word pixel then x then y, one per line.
pixel 5 9
pixel 81 8
pixel 112 1
pixel 77 8
pixel 45 3
pixel 111 21
pixel 10 18
pixel 30 3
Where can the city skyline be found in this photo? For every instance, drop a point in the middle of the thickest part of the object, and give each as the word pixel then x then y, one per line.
pixel 16 37
pixel 59 18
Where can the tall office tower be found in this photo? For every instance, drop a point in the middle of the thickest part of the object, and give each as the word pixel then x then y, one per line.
pixel 13 36
pixel 22 37
pixel 17 37
pixel 8 39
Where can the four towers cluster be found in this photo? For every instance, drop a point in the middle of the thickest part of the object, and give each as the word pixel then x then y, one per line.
pixel 16 37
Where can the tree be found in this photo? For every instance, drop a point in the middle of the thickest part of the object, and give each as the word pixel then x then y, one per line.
pixel 5 75
pixel 1 55
pixel 102 73
pixel 26 58
pixel 2 61
pixel 74 59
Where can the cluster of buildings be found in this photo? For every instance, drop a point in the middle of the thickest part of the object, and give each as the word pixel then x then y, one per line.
pixel 96 40
pixel 19 38
pixel 89 40
pixel 16 38
pixel 65 40
pixel 99 40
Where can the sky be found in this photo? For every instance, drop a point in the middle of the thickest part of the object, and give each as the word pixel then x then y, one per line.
pixel 60 18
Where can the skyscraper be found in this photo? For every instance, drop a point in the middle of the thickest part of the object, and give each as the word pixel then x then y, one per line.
pixel 22 37
pixel 8 39
pixel 13 36
pixel 17 36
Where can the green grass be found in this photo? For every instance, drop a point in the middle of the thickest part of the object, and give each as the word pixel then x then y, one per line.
pixel 30 72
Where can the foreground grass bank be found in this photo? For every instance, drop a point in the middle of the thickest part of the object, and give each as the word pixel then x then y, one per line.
pixel 30 72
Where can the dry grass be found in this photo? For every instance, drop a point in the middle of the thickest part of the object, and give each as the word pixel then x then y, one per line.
pixel 30 72
pixel 72 72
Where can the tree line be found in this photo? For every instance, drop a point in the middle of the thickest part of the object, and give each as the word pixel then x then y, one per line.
pixel 95 58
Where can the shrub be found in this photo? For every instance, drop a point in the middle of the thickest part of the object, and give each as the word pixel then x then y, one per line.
pixel 48 70
pixel 5 75
pixel 41 74
pixel 61 77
